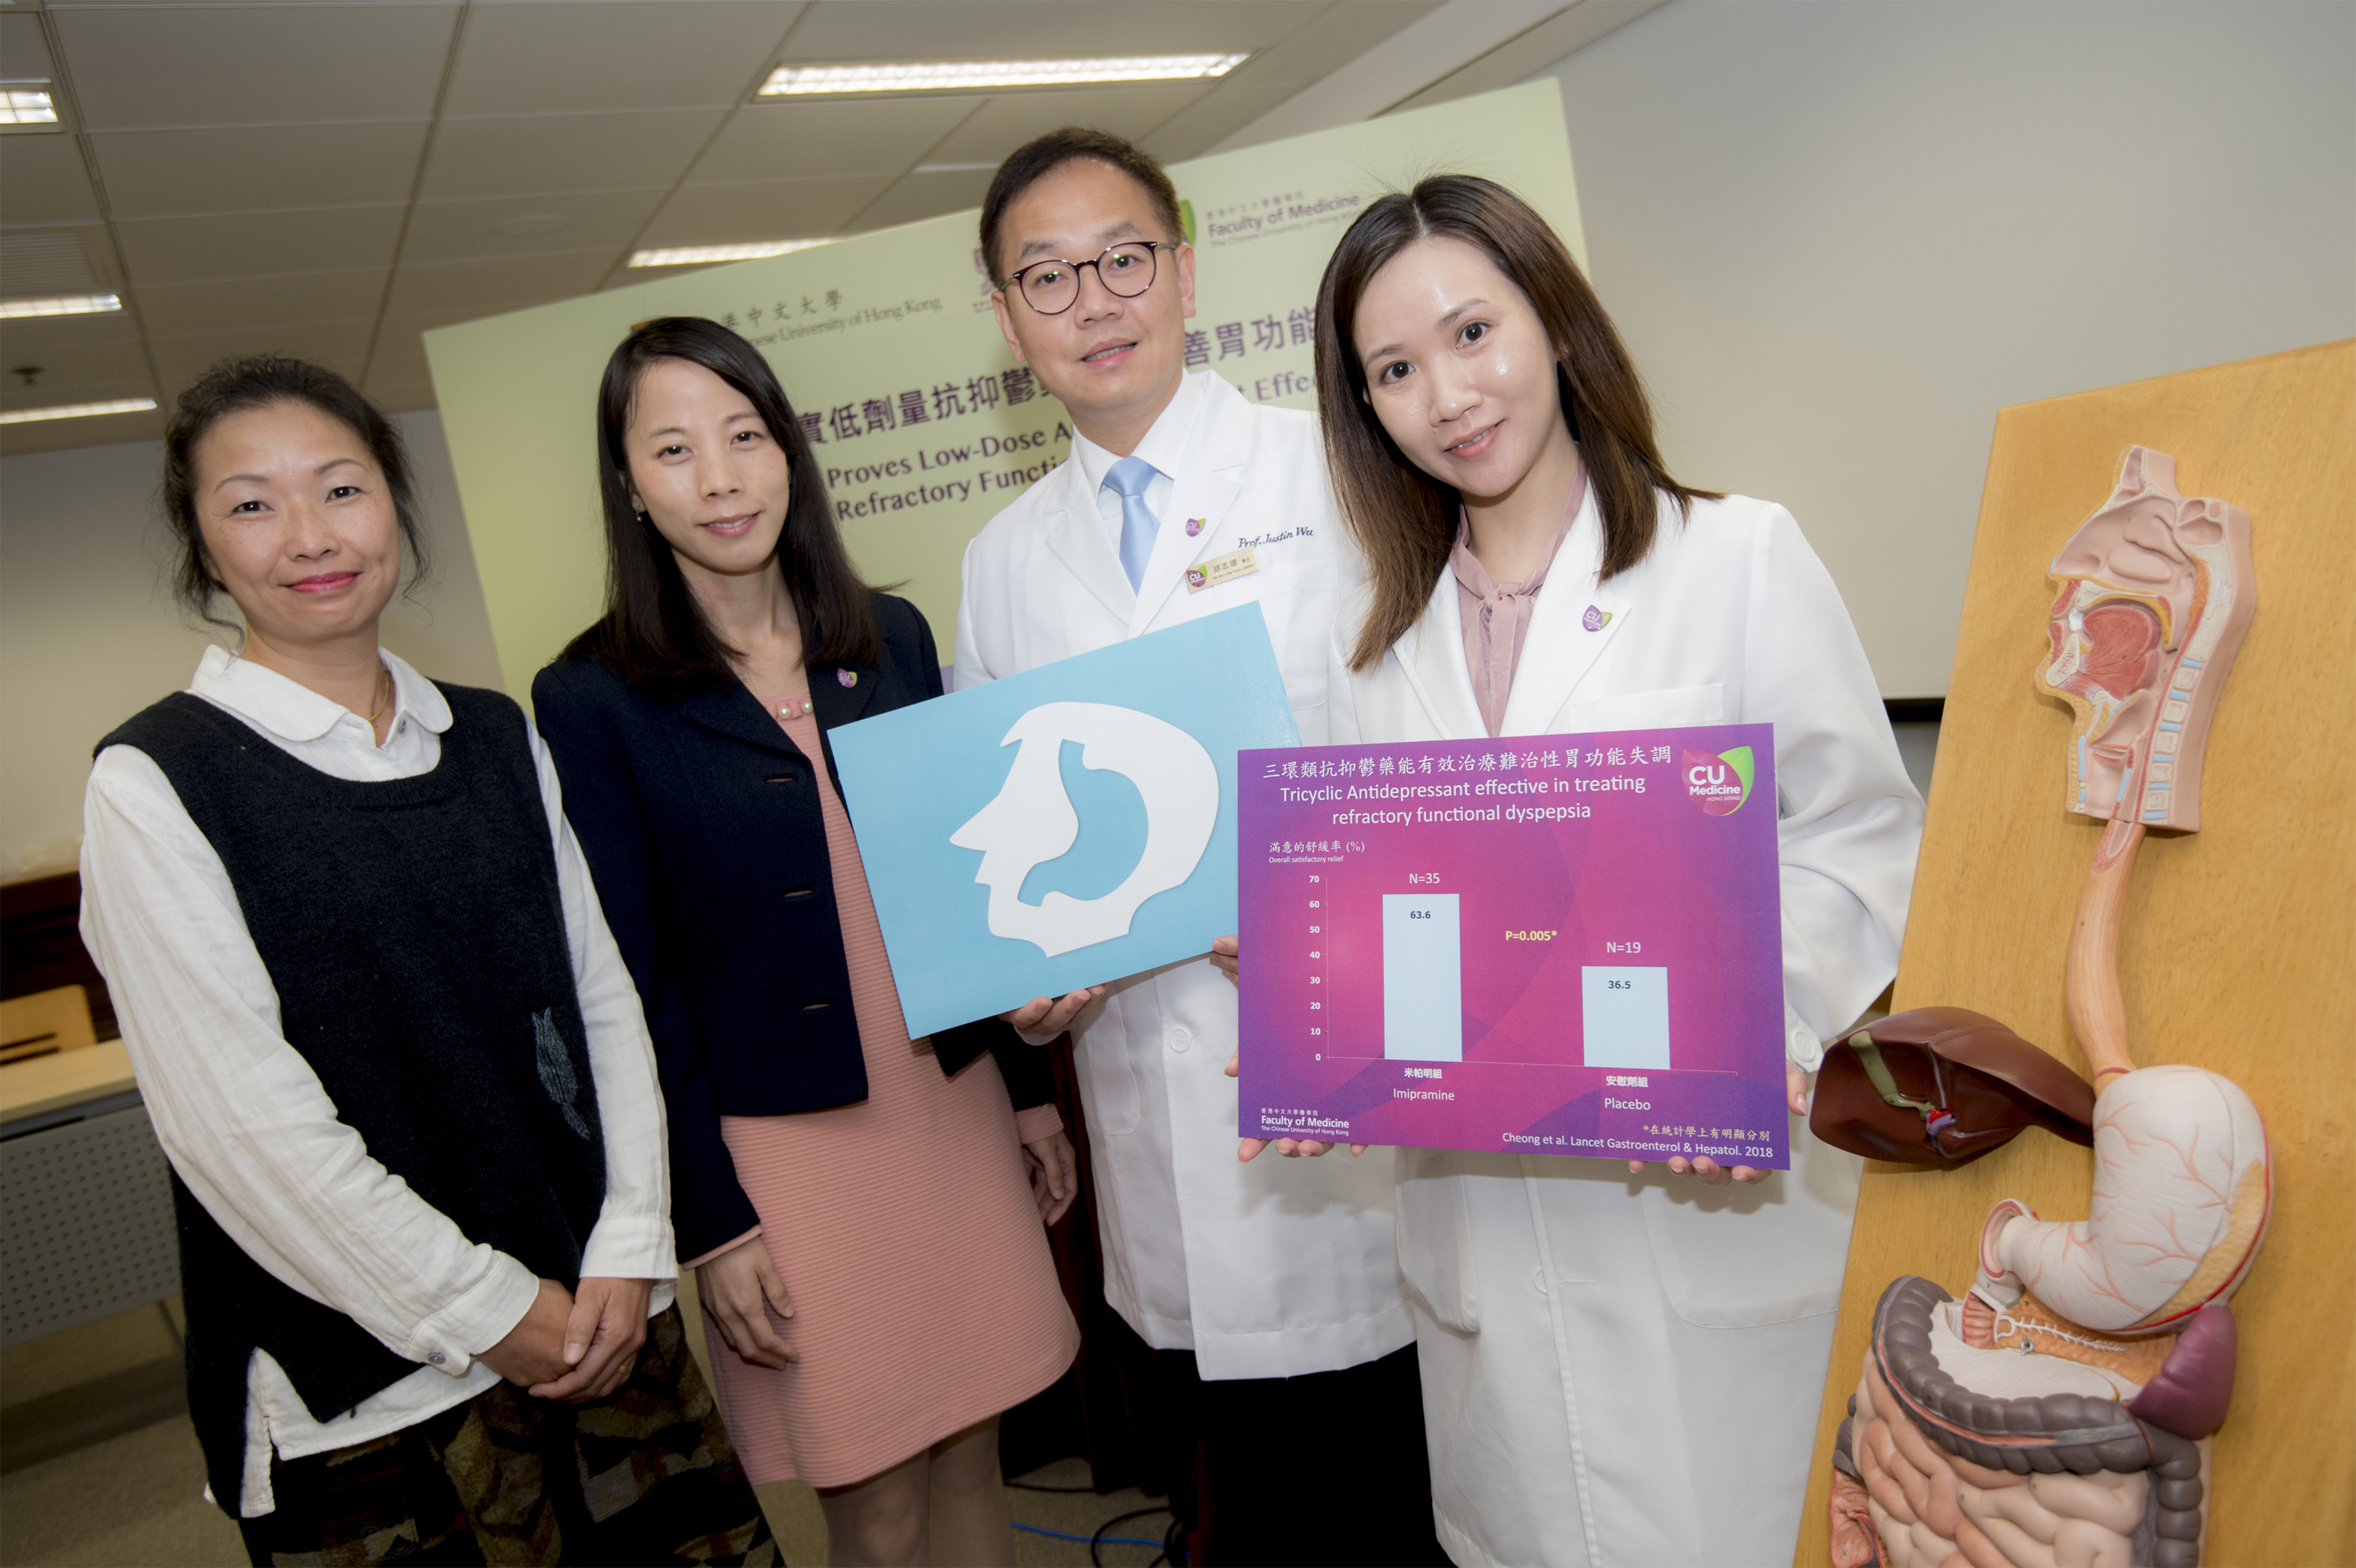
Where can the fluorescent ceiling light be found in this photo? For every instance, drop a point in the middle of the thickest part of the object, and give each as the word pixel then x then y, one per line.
pixel 696 255
pixel 954 76
pixel 26 103
pixel 78 410
pixel 60 305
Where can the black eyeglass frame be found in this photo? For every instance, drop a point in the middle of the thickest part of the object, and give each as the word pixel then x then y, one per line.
pixel 1015 279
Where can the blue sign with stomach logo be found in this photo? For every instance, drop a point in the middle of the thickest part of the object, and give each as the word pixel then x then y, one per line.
pixel 1065 826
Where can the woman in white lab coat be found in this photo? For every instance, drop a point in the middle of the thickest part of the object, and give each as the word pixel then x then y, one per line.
pixel 1621 1365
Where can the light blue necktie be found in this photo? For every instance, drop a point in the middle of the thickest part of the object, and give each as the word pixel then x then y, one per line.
pixel 1127 479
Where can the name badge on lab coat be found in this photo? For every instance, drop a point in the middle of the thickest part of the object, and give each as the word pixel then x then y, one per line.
pixel 1222 569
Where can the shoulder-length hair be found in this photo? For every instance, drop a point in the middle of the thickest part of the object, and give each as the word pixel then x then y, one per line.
pixel 258 382
pixel 653 634
pixel 1403 520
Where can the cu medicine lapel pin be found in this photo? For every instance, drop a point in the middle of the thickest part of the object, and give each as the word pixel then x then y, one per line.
pixel 851 676
pixel 1596 618
pixel 1193 526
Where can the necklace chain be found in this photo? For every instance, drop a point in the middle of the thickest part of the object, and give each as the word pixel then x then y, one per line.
pixel 385 675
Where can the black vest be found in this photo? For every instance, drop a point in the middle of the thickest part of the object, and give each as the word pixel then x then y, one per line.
pixel 415 935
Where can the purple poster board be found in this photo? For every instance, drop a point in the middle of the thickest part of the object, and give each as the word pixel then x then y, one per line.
pixel 1566 944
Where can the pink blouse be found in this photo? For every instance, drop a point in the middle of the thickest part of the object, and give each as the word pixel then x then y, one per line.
pixel 1497 616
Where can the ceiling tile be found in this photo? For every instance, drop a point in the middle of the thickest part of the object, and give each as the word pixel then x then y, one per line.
pixel 1022 29
pixel 915 197
pixel 614 54
pixel 405 334
pixel 93 371
pixel 152 174
pixel 24 53
pixel 1339 36
pixel 255 65
pixel 468 230
pixel 178 310
pixel 399 393
pixel 42 179
pixel 489 288
pixel 43 340
pixel 253 244
pixel 564 151
pixel 108 430
pixel 398 367
pixel 808 141
pixel 1212 118
pixel 340 346
pixel 402 360
pixel 775 209
pixel 1005 123
pixel 89 373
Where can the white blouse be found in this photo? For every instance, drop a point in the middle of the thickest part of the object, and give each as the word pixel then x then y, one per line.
pixel 245 1120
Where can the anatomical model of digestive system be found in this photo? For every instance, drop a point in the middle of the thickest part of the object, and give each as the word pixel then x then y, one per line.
pixel 2060 1412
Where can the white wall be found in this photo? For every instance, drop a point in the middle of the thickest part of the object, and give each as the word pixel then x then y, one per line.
pixel 1839 237
pixel 89 634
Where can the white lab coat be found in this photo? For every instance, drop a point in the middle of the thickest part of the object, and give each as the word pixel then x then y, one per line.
pixel 1280 1267
pixel 1626 1370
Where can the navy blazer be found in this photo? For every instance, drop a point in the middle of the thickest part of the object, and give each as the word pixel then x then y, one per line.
pixel 699 820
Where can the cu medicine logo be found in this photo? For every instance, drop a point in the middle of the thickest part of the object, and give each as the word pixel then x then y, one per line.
pixel 1720 784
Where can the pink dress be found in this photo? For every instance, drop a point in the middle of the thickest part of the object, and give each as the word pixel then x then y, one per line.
pixel 924 1297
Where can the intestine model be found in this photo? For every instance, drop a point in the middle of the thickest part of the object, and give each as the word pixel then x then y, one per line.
pixel 2060 1412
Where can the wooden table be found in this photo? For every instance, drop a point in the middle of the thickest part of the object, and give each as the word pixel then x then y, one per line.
pixel 2236 951
pixel 51 1084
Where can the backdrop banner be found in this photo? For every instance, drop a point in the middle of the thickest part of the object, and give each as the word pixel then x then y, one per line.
pixel 1064 827
pixel 923 422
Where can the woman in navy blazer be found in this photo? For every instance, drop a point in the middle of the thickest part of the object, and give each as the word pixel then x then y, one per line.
pixel 812 1145
pixel 711 858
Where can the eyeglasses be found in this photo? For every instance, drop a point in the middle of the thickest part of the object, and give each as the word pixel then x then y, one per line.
pixel 1125 270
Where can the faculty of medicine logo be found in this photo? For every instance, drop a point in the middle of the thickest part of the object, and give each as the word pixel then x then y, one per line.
pixel 1032 820
pixel 1720 784
pixel 1197 577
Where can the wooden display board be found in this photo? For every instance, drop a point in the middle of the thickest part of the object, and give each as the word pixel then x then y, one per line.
pixel 2239 945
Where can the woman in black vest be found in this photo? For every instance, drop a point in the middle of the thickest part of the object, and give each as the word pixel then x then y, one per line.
pixel 388 1044
pixel 816 1148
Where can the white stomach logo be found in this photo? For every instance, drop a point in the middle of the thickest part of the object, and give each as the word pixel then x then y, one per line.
pixel 1031 821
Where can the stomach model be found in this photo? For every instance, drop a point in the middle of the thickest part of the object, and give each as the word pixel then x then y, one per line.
pixel 2059 1415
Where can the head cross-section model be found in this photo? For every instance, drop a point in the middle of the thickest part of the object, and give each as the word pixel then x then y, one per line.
pixel 1031 821
pixel 2156 593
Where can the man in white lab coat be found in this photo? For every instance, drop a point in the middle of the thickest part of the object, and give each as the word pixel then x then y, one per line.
pixel 1271 1288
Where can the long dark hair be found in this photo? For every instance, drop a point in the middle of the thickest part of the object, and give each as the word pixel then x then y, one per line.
pixel 653 634
pixel 256 381
pixel 1403 520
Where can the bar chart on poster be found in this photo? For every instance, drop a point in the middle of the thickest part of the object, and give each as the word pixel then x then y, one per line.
pixel 1559 944
pixel 1423 978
